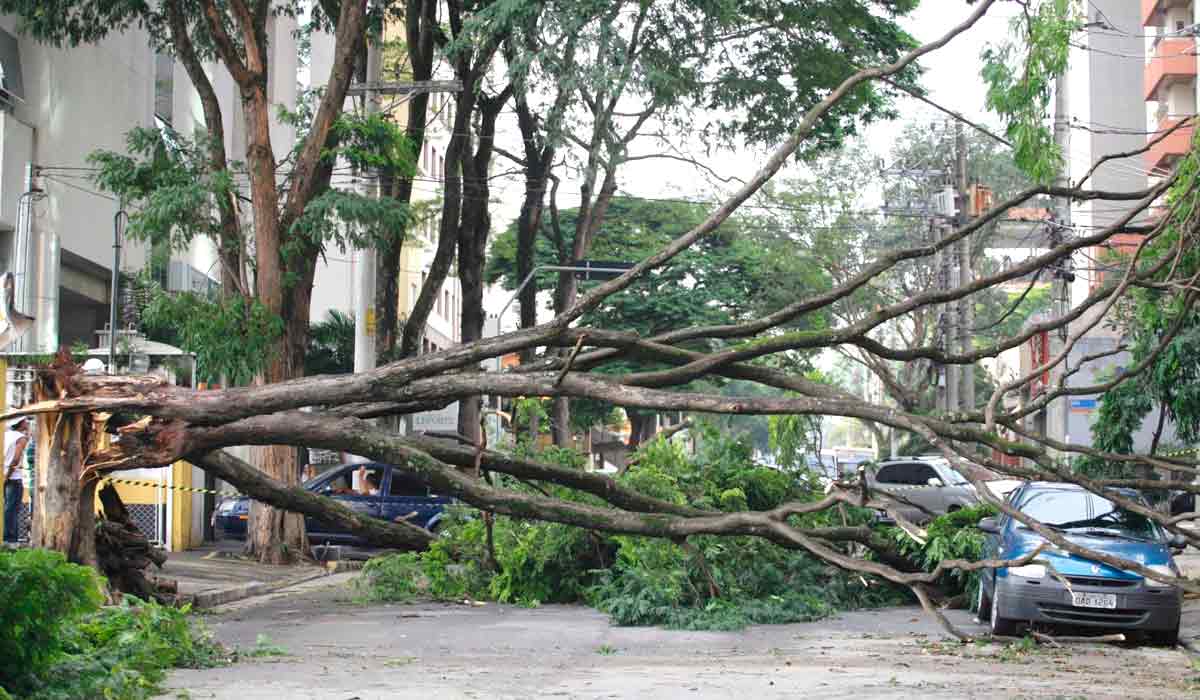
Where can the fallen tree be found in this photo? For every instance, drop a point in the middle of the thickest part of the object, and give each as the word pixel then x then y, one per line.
pixel 156 424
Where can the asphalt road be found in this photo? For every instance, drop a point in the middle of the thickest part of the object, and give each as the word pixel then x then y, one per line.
pixel 341 650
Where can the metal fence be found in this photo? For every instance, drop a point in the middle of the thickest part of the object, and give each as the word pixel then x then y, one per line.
pixel 144 515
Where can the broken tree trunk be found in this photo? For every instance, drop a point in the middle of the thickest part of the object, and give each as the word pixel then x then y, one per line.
pixel 64 496
pixel 124 553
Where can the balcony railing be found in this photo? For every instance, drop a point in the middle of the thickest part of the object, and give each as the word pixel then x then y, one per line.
pixel 1173 59
pixel 1178 143
pixel 1153 11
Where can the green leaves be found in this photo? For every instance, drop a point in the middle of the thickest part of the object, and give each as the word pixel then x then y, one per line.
pixel 347 220
pixel 330 345
pixel 232 337
pixel 1020 77
pixel 167 186
pixel 374 142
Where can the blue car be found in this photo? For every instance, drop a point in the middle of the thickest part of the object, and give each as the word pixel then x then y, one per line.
pixel 1099 595
pixel 372 489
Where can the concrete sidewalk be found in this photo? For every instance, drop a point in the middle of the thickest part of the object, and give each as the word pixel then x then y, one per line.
pixel 216 574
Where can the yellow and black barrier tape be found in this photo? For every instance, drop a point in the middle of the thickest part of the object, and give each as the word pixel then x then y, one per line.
pixel 164 486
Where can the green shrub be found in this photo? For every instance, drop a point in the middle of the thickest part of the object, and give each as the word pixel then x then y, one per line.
pixel 59 644
pixel 40 593
pixel 711 583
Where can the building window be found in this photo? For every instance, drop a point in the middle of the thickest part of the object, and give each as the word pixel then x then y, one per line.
pixel 164 87
pixel 412 298
pixel 446 302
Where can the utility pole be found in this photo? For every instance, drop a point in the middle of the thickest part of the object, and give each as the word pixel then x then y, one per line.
pixel 1063 270
pixel 950 313
pixel 364 301
pixel 966 314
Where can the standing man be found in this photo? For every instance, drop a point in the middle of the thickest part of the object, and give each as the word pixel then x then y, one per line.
pixel 15 441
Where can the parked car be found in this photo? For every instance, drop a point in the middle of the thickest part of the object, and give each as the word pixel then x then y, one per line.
pixel 1099 595
pixel 373 489
pixel 929 484
pixel 230 517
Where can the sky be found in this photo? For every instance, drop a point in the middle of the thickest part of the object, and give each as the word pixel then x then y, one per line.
pixel 951 78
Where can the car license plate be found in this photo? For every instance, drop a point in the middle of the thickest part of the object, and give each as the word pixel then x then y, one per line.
pixel 1094 600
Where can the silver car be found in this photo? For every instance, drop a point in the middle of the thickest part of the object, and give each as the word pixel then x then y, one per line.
pixel 924 487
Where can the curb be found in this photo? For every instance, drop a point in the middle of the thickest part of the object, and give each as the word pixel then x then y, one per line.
pixel 210 599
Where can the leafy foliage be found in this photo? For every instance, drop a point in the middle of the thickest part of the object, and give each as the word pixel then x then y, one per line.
pixel 740 271
pixel 950 536
pixel 59 644
pixel 231 336
pixel 40 593
pixel 330 345
pixel 166 177
pixel 1020 75
pixel 757 63
pixel 708 583
pixel 1171 384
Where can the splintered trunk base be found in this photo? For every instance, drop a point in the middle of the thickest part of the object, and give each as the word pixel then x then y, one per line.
pixel 64 496
pixel 124 554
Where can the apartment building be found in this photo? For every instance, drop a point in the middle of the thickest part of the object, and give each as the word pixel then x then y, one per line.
pixel 1169 84
pixel 57 106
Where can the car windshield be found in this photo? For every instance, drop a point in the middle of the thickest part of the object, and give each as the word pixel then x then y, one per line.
pixel 953 477
pixel 1081 511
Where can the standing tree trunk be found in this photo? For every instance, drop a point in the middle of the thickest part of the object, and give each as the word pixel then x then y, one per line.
pixel 420 20
pixel 64 499
pixel 472 244
pixel 641 427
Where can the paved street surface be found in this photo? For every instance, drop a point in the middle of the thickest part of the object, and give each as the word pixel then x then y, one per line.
pixel 340 650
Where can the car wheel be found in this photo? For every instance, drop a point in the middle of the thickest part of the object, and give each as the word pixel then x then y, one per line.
pixel 1000 626
pixel 983 604
pixel 1165 638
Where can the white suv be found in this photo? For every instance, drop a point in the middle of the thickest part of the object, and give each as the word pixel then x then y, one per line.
pixel 929 484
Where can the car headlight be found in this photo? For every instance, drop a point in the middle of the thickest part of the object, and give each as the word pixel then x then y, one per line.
pixel 1028 571
pixel 1161 569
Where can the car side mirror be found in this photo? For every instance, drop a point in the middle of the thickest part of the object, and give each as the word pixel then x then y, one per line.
pixel 1178 543
pixel 989 525
pixel 934 481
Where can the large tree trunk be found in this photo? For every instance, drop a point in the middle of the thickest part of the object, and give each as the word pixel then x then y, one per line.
pixel 64 514
pixel 274 536
pixel 472 246
pixel 420 18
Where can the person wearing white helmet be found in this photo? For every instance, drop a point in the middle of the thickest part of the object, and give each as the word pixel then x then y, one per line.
pixel 15 440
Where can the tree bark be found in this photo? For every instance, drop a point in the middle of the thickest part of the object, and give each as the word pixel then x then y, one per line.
pixel 420 20
pixel 124 553
pixel 641 427
pixel 64 496
pixel 276 536
pixel 472 245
